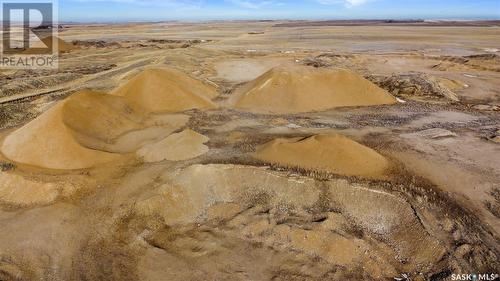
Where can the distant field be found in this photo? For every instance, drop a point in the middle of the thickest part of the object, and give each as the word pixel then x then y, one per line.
pixel 390 23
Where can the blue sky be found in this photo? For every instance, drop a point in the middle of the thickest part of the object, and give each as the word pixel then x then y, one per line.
pixel 152 10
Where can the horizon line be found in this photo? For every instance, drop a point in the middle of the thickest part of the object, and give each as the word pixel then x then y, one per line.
pixel 396 20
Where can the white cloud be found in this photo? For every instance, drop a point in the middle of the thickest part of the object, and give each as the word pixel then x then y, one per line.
pixel 349 3
pixel 184 4
pixel 177 4
pixel 356 2
pixel 251 4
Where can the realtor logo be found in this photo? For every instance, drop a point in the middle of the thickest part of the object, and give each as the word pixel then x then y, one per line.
pixel 29 35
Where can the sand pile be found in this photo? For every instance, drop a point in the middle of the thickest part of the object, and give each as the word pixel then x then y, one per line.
pixel 167 90
pixel 63 137
pixel 295 89
pixel 91 128
pixel 49 143
pixel 185 145
pixel 48 42
pixel 331 153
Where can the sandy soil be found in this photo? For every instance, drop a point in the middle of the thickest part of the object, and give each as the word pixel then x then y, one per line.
pixel 132 162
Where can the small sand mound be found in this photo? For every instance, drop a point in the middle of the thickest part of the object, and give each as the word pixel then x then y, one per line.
pixel 330 153
pixel 49 143
pixel 185 145
pixel 295 89
pixel 48 42
pixel 167 90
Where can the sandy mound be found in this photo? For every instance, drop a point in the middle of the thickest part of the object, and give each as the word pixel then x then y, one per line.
pixel 167 90
pixel 185 145
pixel 86 129
pixel 331 153
pixel 49 143
pixel 48 42
pixel 295 89
pixel 260 206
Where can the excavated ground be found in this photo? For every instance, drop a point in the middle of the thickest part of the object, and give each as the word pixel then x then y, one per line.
pixel 189 199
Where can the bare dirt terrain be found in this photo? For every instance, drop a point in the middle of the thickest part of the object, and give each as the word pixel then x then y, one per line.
pixel 255 150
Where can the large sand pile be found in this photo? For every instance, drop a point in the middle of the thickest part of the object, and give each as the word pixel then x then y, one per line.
pixel 87 129
pixel 70 134
pixel 295 89
pixel 49 143
pixel 185 145
pixel 91 128
pixel 330 153
pixel 167 90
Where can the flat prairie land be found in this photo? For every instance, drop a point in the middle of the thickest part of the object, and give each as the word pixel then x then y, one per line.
pixel 254 150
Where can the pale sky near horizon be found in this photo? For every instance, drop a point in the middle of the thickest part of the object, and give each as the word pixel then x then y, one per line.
pixel 155 10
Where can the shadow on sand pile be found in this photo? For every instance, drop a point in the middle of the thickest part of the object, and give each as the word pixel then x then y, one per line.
pixel 296 89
